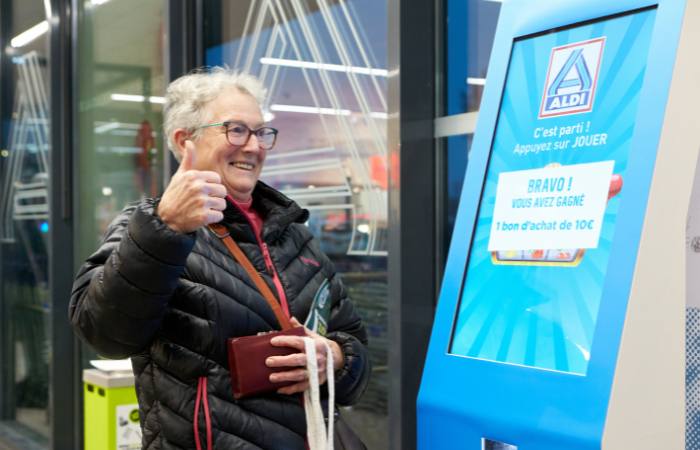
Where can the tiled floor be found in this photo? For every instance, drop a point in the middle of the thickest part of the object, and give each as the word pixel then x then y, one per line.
pixel 15 436
pixel 372 428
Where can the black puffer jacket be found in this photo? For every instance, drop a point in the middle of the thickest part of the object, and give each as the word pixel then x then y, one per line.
pixel 169 301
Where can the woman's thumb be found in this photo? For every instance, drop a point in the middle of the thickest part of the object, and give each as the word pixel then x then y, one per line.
pixel 189 154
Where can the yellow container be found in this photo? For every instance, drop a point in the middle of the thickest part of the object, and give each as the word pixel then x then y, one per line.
pixel 111 415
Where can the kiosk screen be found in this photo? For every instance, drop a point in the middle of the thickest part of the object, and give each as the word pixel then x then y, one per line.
pixel 553 188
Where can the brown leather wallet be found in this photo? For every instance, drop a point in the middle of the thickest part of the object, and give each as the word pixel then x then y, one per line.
pixel 246 359
pixel 246 355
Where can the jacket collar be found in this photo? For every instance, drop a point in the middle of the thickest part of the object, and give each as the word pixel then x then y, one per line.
pixel 277 210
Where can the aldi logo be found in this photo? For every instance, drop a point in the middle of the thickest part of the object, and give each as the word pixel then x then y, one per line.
pixel 572 77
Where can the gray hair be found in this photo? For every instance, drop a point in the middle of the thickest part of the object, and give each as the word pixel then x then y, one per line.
pixel 186 98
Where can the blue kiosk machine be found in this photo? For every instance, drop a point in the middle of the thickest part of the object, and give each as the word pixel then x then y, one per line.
pixel 561 319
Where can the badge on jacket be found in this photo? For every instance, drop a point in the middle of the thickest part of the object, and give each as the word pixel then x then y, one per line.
pixel 317 320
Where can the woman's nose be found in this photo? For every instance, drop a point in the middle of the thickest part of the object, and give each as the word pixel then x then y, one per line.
pixel 253 144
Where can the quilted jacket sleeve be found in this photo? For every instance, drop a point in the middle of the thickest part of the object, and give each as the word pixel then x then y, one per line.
pixel 346 328
pixel 121 293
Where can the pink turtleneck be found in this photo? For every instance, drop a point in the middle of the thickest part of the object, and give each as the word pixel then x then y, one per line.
pixel 256 222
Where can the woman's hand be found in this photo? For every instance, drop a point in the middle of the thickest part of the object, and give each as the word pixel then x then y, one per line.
pixel 297 361
pixel 194 198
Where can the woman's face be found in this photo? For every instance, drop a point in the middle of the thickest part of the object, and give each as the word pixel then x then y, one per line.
pixel 239 166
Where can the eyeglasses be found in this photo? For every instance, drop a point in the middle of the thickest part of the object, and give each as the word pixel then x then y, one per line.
pixel 238 133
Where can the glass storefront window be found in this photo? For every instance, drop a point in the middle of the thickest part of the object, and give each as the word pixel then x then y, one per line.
pixel 25 348
pixel 470 26
pixel 456 150
pixel 120 97
pixel 121 88
pixel 325 66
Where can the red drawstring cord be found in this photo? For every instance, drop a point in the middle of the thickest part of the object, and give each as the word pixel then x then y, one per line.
pixel 207 419
pixel 196 415
pixel 202 394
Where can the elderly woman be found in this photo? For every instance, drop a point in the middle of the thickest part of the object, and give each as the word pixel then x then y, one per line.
pixel 163 289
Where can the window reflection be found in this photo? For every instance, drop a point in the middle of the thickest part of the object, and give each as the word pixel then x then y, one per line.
pixel 25 350
pixel 120 89
pixel 457 154
pixel 120 117
pixel 470 27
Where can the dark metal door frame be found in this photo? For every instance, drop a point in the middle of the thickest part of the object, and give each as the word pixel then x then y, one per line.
pixel 413 207
pixel 6 352
pixel 65 386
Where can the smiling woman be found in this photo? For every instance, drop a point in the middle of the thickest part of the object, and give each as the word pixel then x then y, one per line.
pixel 176 295
pixel 235 154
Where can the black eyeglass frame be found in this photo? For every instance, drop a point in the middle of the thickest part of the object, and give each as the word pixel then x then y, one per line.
pixel 257 132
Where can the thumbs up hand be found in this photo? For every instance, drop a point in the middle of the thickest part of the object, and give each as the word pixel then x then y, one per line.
pixel 194 198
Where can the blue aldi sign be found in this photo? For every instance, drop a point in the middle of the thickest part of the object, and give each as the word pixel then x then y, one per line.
pixel 572 76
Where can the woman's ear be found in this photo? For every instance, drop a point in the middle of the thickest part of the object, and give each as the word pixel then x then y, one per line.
pixel 180 135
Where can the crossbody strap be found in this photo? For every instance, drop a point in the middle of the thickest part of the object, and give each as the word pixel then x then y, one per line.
pixel 222 233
